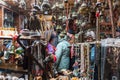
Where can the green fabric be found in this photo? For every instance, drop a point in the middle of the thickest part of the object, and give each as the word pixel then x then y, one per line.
pixel 19 50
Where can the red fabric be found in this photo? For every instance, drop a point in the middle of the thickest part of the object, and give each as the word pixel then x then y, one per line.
pixel 72 51
pixel 14 37
pixel 74 27
pixel 55 58
pixel 97 14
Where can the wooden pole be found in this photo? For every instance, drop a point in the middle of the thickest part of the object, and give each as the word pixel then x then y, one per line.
pixel 97 29
pixel 67 12
pixel 111 17
pixel 97 44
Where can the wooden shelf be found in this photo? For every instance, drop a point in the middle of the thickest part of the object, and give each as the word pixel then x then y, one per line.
pixel 22 38
pixel 9 67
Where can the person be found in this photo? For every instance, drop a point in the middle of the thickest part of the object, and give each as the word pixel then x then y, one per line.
pixel 51 48
pixel 71 25
pixel 63 54
pixel 50 58
pixel 55 40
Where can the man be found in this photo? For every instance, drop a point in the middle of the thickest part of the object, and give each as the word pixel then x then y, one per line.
pixel 63 54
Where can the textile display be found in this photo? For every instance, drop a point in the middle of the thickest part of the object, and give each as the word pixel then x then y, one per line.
pixel 36 51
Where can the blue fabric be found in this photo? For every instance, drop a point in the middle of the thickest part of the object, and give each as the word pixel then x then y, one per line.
pixel 9 44
pixel 92 54
pixel 70 31
pixel 63 55
pixel 103 57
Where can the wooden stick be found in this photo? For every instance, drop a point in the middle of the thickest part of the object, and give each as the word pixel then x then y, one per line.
pixel 97 29
pixel 67 12
pixel 111 17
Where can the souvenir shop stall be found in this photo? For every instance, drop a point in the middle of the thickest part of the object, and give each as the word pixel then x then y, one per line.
pixel 94 53
pixel 23 52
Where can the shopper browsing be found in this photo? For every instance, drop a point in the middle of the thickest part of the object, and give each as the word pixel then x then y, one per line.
pixel 63 54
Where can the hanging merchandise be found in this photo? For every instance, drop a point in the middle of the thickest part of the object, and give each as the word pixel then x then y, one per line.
pixel 76 58
pixel 46 7
pixel 85 56
pixel 22 4
pixel 39 66
pixel 83 9
pixel 36 51
pixel 34 22
pixel 110 59
pixel 71 3
pixel 116 3
pixel 85 61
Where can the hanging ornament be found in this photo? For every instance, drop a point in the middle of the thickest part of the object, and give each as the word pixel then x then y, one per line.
pixel 22 4
pixel 65 3
pixel 83 24
pixel 83 9
pixel 64 18
pixel 46 7
pixel 116 3
pixel 74 15
pixel 71 2
pixel 61 6
pixel 77 3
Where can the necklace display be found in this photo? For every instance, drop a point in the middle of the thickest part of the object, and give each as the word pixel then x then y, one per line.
pixel 85 61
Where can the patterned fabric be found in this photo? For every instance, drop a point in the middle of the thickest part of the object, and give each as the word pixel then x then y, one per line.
pixel 72 51
pixel 50 49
